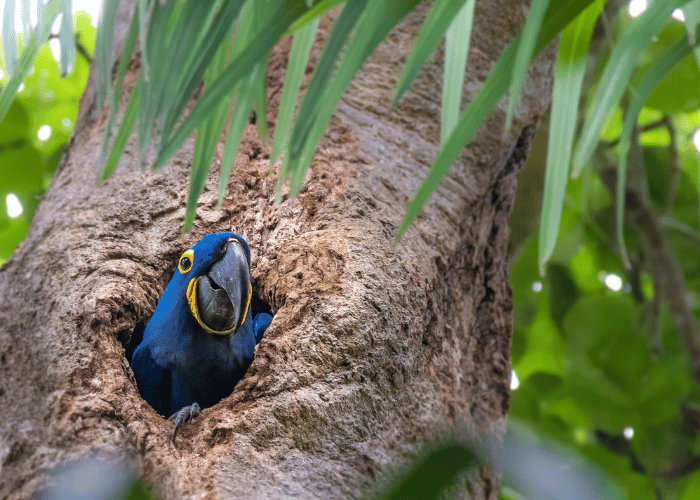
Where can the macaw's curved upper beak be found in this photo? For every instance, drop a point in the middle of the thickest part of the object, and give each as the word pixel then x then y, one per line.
pixel 223 294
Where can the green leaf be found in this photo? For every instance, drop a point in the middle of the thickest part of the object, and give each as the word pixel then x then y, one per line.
pixel 236 128
pixel 29 53
pixel 313 13
pixel 16 148
pixel 377 19
pixel 691 488
pixel 429 478
pixel 617 73
pixel 208 135
pixel 584 270
pixel 66 36
pixel 441 14
pixel 603 402
pixel 677 91
pixel 9 38
pixel 115 95
pixel 526 47
pixel 322 75
pixel 12 235
pixel 286 13
pixel 103 52
pixel 568 77
pixel 586 332
pixel 544 351
pixel 558 16
pixel 125 128
pixel 691 13
pixel 456 50
pixel 301 48
pixel 665 386
pixel 646 87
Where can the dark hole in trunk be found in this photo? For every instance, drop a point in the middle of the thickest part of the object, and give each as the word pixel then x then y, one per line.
pixel 136 338
pixel 258 305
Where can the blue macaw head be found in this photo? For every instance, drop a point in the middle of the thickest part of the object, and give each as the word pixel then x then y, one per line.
pixel 214 276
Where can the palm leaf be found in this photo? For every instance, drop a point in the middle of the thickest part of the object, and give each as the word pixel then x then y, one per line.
pixel 208 135
pixel 617 73
pixel 528 39
pixel 103 51
pixel 286 13
pixel 298 57
pixel 9 37
pixel 691 14
pixel 66 37
pixel 21 68
pixel 649 82
pixel 568 77
pixel 313 13
pixel 115 93
pixel 558 16
pixel 237 127
pixel 456 50
pixel 378 18
pixel 441 14
pixel 125 128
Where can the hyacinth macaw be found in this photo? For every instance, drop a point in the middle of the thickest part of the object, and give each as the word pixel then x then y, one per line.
pixel 201 339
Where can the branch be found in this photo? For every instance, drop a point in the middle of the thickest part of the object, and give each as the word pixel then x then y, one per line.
pixel 674 180
pixel 644 128
pixel 620 445
pixel 680 227
pixel 78 46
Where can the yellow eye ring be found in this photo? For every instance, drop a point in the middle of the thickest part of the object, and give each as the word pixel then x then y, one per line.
pixel 186 261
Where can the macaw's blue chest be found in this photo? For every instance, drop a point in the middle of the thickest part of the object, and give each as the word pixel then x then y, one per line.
pixel 209 366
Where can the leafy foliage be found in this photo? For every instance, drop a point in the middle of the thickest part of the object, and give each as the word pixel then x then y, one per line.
pixel 46 100
pixel 602 366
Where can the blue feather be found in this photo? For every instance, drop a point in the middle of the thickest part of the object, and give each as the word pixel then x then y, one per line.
pixel 178 363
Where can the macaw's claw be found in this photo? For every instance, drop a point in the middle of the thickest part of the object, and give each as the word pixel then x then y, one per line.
pixel 184 415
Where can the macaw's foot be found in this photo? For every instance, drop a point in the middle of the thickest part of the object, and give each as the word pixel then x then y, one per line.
pixel 184 415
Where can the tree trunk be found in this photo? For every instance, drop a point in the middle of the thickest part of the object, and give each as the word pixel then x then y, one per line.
pixel 377 346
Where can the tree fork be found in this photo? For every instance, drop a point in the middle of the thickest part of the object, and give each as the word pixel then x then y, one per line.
pixel 377 347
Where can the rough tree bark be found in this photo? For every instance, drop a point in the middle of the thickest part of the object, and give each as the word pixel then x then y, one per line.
pixel 377 345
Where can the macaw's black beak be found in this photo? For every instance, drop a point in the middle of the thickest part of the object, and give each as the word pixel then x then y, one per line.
pixel 223 294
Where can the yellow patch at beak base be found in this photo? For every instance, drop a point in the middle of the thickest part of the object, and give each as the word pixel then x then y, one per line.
pixel 192 301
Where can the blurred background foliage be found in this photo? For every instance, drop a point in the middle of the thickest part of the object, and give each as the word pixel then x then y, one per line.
pixel 604 370
pixel 599 362
pixel 35 132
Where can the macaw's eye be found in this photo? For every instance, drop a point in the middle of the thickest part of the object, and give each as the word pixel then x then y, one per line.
pixel 186 261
